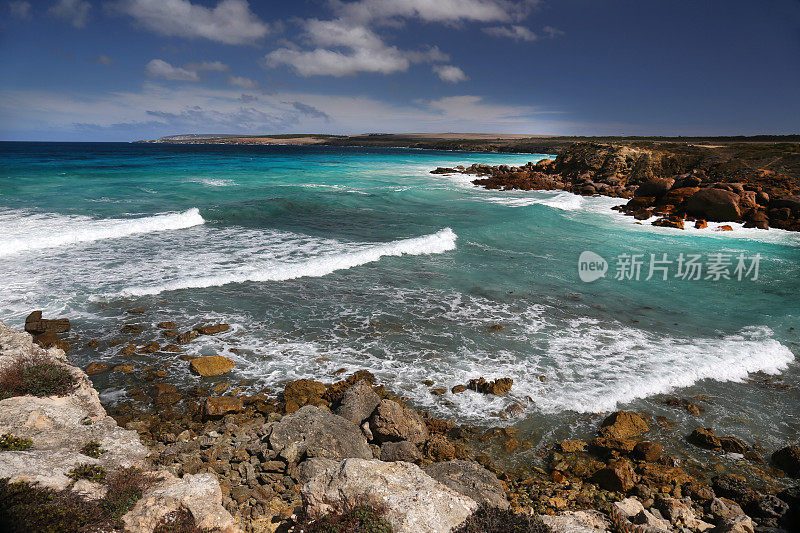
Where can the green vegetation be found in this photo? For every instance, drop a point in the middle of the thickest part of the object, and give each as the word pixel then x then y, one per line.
pixel 93 449
pixel 25 508
pixel 94 473
pixel 37 376
pixel 487 519
pixel 362 518
pixel 13 443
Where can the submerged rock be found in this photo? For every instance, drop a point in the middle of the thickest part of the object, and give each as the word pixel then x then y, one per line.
pixel 498 387
pixel 211 366
pixel 623 425
pixel 212 330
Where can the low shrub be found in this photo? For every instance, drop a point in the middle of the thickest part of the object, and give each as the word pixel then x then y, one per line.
pixel 36 376
pixel 125 488
pixel 178 521
pixel 93 449
pixel 94 473
pixel 13 443
pixel 360 518
pixel 487 519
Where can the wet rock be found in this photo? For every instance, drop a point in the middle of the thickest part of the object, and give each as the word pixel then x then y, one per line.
pixel 498 387
pixel 416 502
pixel 211 366
pixel 392 422
pixel 734 487
pixel 212 330
pixel 733 445
pixel 648 451
pixel 700 224
pixel 222 405
pixel 788 460
pixel 400 451
pixel 165 394
pixel 669 222
pixel 571 446
pixel 131 329
pixel 654 187
pixel 472 480
pixel 623 425
pixel 126 369
pixel 617 476
pixel 96 368
pixel 51 340
pixel 718 205
pixel 358 403
pixel 439 448
pixel 166 325
pixel 186 338
pixel 705 438
pixel 151 347
pixel 605 446
pixel 36 325
pixel 302 392
pixel 313 432
pixel 458 389
pixel 171 348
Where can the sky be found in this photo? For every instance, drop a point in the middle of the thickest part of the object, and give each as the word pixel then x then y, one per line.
pixel 122 70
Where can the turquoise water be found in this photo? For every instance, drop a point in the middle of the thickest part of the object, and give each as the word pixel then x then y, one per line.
pixel 329 258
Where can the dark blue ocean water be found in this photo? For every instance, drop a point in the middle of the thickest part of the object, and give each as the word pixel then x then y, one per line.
pixel 329 258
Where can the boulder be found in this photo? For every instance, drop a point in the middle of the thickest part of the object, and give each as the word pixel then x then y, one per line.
pixel 358 402
pixel 415 502
pixel 439 448
pixel 498 387
pixel 393 422
pixel 788 202
pixel 186 338
pixel 718 205
pixel 700 224
pixel 705 438
pixel 654 187
pixel 312 432
pixel 648 451
pixel 166 325
pixel 96 368
pixel 302 392
pixel 669 222
pixel 571 446
pixel 734 487
pixel 222 405
pixel 211 366
pixel 733 445
pixel 400 451
pixel 472 480
pixel 623 425
pixel 35 324
pixel 788 460
pixel 617 476
pixel 212 330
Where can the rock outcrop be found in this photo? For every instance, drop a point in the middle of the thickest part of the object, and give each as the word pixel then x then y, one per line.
pixel 472 480
pixel 416 503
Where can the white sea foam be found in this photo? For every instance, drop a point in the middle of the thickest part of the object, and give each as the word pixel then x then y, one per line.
pixel 563 200
pixel 322 265
pixel 22 231
pixel 215 182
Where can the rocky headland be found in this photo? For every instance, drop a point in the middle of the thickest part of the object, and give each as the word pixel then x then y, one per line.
pixel 674 184
pixel 292 457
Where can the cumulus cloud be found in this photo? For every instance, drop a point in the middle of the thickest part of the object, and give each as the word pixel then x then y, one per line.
pixel 516 32
pixel 248 98
pixel 76 12
pixel 435 10
pixel 552 32
pixel 310 110
pixel 450 73
pixel 244 83
pixel 20 10
pixel 103 59
pixel 364 51
pixel 230 22
pixel 158 68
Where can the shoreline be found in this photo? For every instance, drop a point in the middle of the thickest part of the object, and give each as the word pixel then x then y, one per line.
pixel 620 474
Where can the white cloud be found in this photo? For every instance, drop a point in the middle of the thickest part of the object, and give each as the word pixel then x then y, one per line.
pixel 158 68
pixel 435 10
pixel 450 73
pixel 211 66
pixel 76 12
pixel 364 51
pixel 103 59
pixel 552 32
pixel 516 32
pixel 230 22
pixel 244 83
pixel 20 10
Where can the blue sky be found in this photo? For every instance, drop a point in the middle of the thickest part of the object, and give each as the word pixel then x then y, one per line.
pixel 136 69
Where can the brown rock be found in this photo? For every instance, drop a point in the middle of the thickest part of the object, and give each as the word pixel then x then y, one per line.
pixel 127 369
pixel 496 327
pixel 718 205
pixel 400 451
pixel 788 460
pixel 675 223
pixel 648 451
pixel 186 338
pixel 654 187
pixel 392 422
pixel 96 368
pixel 438 448
pixel 571 446
pixel 733 445
pixel 705 438
pixel 166 325
pixel 458 389
pixel 302 392
pixel 35 324
pixel 623 425
pixel 606 445
pixel 171 348
pixel 498 387
pixel 151 347
pixel 618 476
pixel 724 228
pixel 212 330
pixel 700 224
pixel 128 350
pixel 132 329
pixel 222 405
pixel 211 366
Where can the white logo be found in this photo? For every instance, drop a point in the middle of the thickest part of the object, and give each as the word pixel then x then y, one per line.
pixel 591 266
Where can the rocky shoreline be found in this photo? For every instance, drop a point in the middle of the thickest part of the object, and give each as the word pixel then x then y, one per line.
pixel 673 184
pixel 262 462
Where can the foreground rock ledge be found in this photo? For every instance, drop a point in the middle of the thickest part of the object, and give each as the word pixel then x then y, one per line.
pixel 60 426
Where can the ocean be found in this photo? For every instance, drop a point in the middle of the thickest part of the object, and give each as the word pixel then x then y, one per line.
pixel 330 258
